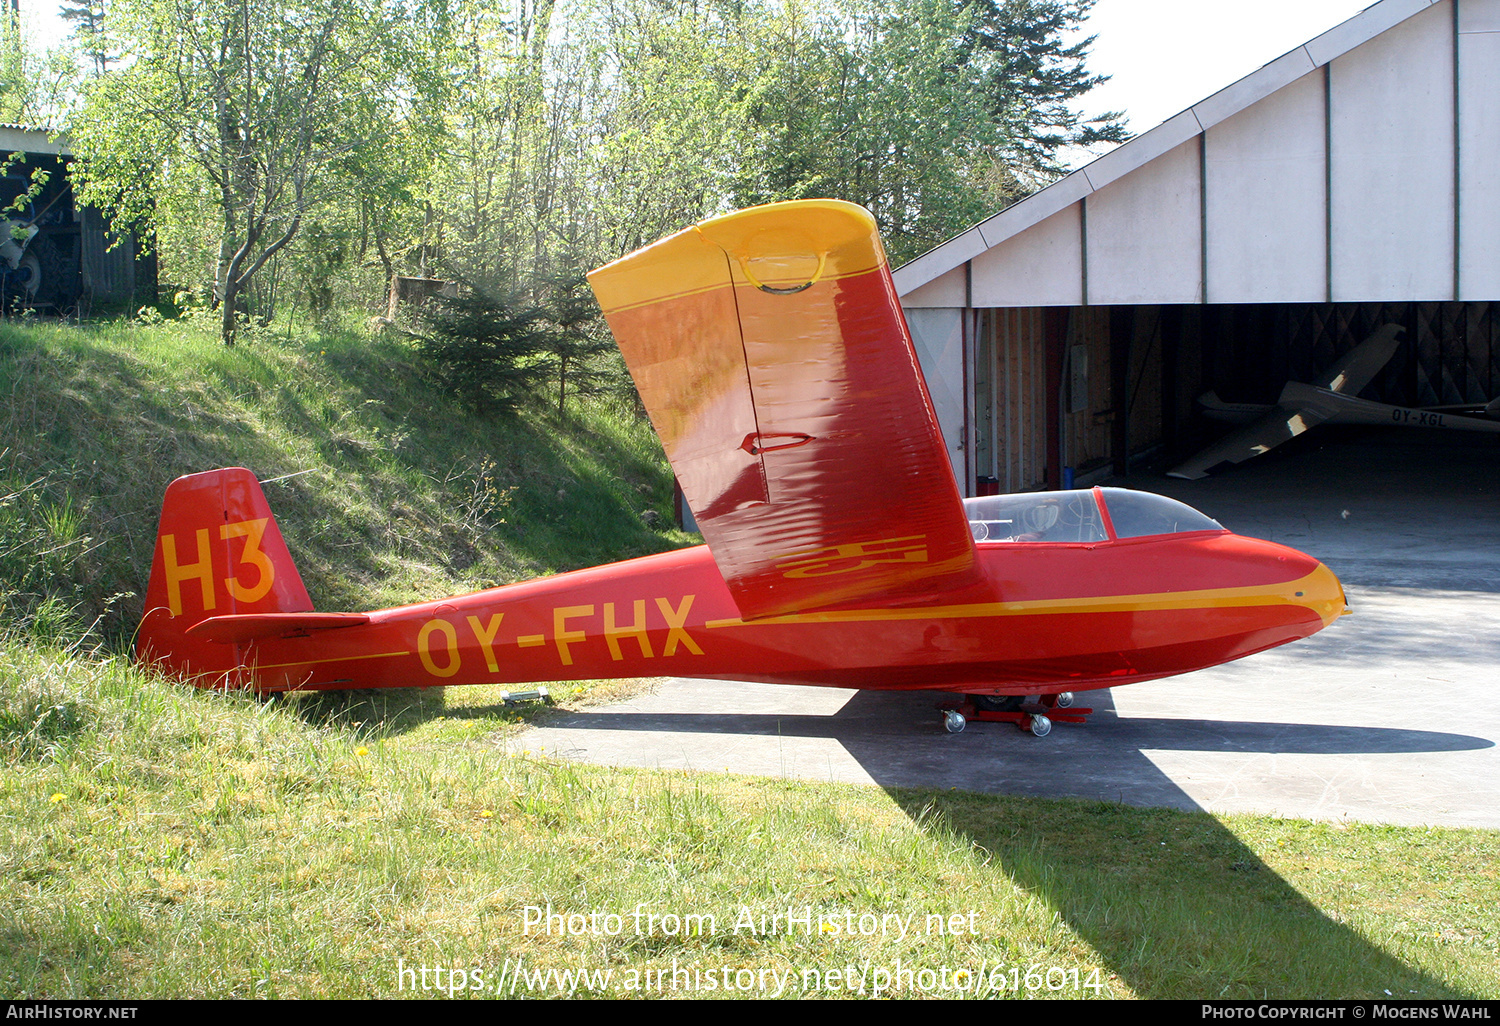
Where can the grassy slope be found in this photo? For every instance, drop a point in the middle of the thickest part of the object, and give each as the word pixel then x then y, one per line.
pixel 408 495
pixel 156 841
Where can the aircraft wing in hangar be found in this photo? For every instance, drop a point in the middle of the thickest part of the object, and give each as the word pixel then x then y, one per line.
pixel 1332 399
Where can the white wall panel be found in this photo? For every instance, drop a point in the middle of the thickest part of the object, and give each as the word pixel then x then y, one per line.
pixel 945 290
pixel 1268 211
pixel 1042 266
pixel 1266 194
pixel 1017 217
pixel 1479 149
pixel 1367 24
pixel 1144 233
pixel 1254 87
pixel 934 262
pixel 1392 152
pixel 938 337
pixel 1143 149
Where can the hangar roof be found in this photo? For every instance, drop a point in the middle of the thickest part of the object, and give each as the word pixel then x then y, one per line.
pixel 1362 166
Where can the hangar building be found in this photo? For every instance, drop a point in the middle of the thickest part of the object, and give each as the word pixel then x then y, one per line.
pixel 1250 240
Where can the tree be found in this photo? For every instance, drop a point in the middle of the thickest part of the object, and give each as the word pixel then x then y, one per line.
pixel 930 113
pixel 87 17
pixel 577 337
pixel 486 348
pixel 248 109
pixel 33 85
pixel 1033 75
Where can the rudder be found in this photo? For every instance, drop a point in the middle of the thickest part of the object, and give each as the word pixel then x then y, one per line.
pixel 218 553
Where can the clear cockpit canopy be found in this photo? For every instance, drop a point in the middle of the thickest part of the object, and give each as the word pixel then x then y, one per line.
pixel 1141 514
pixel 1036 516
pixel 1074 516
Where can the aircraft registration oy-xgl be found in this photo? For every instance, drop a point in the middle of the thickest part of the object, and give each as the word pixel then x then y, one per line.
pixel 770 350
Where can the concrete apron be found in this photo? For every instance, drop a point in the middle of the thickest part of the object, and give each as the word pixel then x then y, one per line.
pixel 1388 716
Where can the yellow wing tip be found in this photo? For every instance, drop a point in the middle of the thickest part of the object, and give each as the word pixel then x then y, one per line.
pixel 778 245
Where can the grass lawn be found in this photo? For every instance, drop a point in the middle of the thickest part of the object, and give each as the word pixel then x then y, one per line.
pixel 157 841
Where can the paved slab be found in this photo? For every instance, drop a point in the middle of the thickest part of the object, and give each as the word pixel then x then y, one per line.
pixel 1387 716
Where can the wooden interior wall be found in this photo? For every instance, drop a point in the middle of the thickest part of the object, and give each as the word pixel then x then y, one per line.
pixel 1086 433
pixel 1020 396
pixel 1144 380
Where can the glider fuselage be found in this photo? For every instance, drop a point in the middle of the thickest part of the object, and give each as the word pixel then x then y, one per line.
pixel 1063 617
pixel 771 352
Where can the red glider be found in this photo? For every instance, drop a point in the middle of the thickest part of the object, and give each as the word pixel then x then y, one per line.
pixel 770 349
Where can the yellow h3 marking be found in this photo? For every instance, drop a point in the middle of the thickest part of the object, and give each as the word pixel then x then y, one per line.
pixel 201 570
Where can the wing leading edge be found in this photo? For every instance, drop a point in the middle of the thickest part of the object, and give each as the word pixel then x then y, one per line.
pixel 770 351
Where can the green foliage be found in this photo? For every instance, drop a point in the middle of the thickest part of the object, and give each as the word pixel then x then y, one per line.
pixel 43 550
pixel 244 114
pixel 654 115
pixel 34 85
pixel 578 340
pixel 157 842
pixel 876 104
pixel 485 349
pixel 402 493
pixel 302 153
pixel 1032 77
pixel 87 17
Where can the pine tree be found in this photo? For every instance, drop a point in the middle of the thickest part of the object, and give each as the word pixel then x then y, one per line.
pixel 87 17
pixel 1034 77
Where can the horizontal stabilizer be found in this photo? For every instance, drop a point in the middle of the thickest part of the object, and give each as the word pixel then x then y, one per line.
pixel 1293 416
pixel 1300 407
pixel 250 626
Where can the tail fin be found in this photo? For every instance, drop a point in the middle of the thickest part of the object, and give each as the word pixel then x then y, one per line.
pixel 218 552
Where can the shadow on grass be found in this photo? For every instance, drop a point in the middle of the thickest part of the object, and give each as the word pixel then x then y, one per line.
pixel 377 712
pixel 1174 903
pixel 391 712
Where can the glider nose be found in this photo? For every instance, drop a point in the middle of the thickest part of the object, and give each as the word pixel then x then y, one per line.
pixel 1321 592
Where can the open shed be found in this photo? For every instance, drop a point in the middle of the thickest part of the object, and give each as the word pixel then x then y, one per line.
pixel 72 263
pixel 1250 240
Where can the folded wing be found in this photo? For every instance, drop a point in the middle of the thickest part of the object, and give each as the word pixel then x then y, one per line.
pixel 770 351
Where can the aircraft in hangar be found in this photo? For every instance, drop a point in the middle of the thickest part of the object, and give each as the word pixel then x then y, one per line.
pixel 1332 399
pixel 771 353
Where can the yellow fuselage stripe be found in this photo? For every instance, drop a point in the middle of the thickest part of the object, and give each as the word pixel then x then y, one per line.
pixel 1212 598
pixel 336 659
